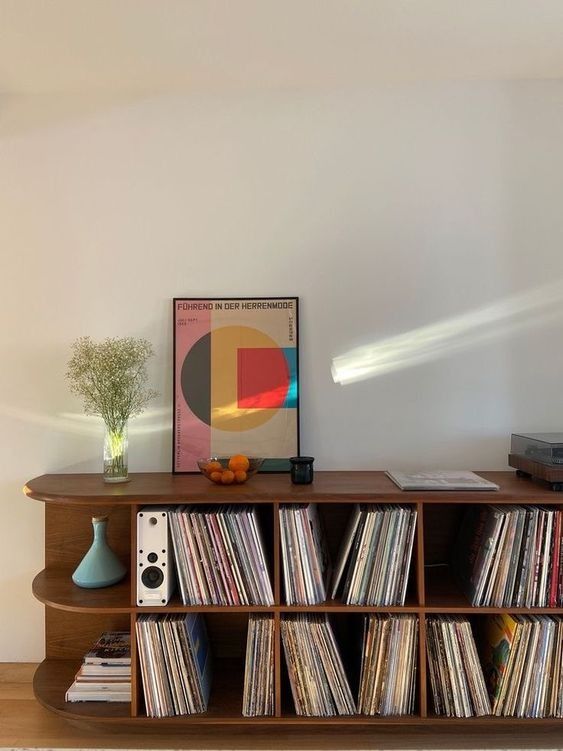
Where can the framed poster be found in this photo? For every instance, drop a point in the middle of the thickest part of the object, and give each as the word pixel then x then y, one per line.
pixel 236 380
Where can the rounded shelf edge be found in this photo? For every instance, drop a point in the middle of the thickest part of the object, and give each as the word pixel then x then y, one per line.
pixel 75 490
pixel 55 589
pixel 50 682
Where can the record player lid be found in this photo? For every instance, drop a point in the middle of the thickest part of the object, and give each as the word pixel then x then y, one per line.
pixel 543 437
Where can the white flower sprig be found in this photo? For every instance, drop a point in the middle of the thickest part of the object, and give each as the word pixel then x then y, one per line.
pixel 111 377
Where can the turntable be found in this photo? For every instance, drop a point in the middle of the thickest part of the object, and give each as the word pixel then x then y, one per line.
pixel 539 456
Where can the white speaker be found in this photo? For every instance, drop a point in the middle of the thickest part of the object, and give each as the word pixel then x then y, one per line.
pixel 156 577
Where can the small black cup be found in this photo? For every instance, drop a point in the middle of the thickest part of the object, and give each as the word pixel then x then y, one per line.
pixel 302 470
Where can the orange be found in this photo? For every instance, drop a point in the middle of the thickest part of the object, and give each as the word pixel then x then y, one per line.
pixel 240 475
pixel 227 477
pixel 216 476
pixel 213 467
pixel 239 462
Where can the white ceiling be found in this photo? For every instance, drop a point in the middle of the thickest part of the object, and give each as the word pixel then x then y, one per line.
pixel 183 45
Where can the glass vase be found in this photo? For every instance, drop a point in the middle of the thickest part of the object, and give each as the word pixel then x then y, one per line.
pixel 115 454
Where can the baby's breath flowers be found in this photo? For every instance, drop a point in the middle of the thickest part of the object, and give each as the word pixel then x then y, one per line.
pixel 111 377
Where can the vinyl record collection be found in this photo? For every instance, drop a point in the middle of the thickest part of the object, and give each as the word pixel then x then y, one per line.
pixel 175 663
pixel 389 659
pixel 512 556
pixel 258 695
pixel 306 564
pixel 220 556
pixel 377 550
pixel 318 680
pixel 456 675
pixel 506 556
pixel 105 673
pixel 523 658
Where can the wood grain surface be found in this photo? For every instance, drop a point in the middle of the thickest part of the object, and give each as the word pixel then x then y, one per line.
pixel 337 487
pixel 24 723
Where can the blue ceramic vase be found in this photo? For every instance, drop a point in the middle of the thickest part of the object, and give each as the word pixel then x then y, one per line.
pixel 100 567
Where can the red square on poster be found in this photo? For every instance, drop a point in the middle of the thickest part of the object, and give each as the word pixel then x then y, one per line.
pixel 262 378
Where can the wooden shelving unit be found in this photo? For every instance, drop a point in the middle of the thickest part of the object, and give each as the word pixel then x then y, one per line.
pixel 75 617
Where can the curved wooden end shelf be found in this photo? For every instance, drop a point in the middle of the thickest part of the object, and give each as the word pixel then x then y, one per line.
pixel 50 682
pixel 55 588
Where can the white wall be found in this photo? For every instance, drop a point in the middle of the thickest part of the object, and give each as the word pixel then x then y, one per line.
pixel 384 210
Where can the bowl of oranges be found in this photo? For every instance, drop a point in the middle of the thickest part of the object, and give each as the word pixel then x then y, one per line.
pixel 229 470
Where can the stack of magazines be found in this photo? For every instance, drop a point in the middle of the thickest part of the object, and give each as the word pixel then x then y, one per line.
pixel 318 681
pixel 522 657
pixel 512 556
pixel 376 549
pixel 175 663
pixel 306 564
pixel 456 676
pixel 258 695
pixel 105 674
pixel 389 658
pixel 220 556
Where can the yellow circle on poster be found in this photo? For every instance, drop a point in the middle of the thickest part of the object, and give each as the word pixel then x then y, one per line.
pixel 225 412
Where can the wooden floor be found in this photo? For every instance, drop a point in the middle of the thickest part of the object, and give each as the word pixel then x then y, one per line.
pixel 25 724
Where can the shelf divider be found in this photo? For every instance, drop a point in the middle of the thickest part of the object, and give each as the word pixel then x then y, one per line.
pixel 276 553
pixel 277 666
pixel 136 688
pixel 421 592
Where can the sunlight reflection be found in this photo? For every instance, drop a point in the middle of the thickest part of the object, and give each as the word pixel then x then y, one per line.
pixel 233 410
pixel 152 421
pixel 525 310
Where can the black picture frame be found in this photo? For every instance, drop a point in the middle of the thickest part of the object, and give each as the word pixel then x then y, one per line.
pixel 198 361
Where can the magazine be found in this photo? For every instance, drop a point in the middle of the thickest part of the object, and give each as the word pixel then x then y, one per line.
pixel 445 479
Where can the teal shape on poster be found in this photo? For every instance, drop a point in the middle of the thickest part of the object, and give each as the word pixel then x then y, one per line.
pixel 292 393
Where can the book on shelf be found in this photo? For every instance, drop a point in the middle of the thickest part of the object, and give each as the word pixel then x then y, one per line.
pixel 318 680
pixel 456 676
pixel 374 560
pixel 388 669
pixel 515 556
pixel 444 479
pixel 305 557
pixel 175 663
pixel 258 692
pixel 94 671
pixel 220 555
pixel 522 658
pixel 105 673
pixel 112 648
pixel 104 692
